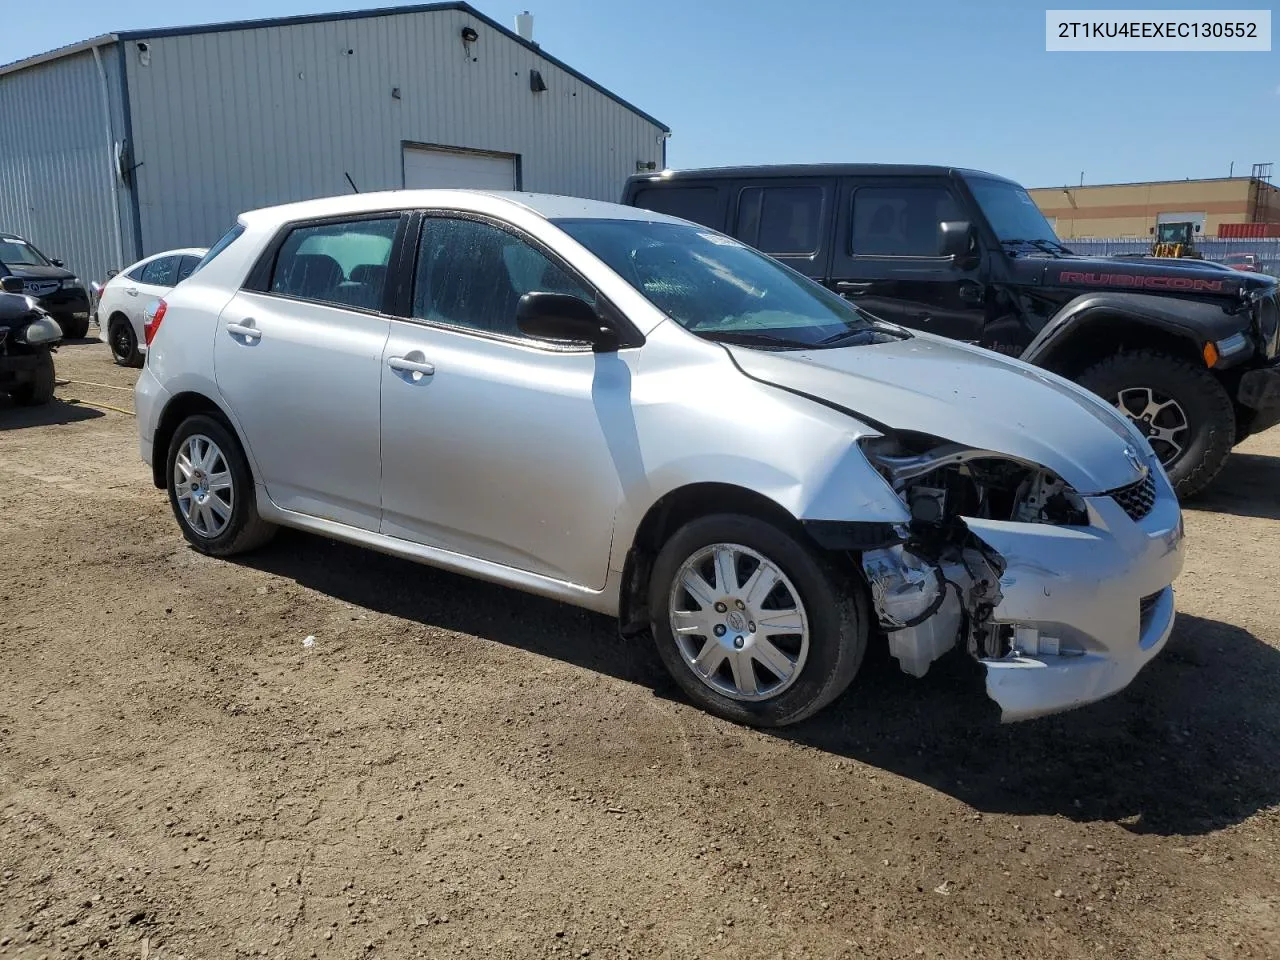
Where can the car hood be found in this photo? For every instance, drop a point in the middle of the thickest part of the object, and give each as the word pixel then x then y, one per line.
pixel 29 272
pixel 968 396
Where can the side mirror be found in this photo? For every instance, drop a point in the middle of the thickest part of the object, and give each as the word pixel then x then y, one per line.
pixel 56 262
pixel 112 272
pixel 956 239
pixel 558 316
pixel 12 284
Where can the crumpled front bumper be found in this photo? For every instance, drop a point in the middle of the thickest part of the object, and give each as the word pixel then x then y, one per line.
pixel 1103 593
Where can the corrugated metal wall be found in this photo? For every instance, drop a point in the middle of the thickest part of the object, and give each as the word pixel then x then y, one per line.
pixel 234 120
pixel 56 164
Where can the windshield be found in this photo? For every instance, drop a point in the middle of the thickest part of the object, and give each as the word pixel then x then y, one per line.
pixel 718 288
pixel 1012 213
pixel 19 253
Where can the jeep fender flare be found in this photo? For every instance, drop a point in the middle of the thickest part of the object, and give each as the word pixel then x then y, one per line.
pixel 1191 320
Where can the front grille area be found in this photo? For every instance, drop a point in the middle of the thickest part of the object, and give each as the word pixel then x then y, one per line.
pixel 40 288
pixel 1138 498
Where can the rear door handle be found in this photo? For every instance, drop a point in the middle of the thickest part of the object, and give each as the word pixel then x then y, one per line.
pixel 405 365
pixel 247 329
pixel 131 291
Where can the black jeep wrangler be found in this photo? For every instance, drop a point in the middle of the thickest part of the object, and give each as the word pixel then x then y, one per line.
pixel 1189 352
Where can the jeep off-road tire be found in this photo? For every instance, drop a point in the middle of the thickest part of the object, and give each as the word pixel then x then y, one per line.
pixel 1204 404
pixel 830 605
pixel 40 391
pixel 204 462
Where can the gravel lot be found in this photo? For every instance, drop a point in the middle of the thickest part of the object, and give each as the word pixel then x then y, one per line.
pixel 457 770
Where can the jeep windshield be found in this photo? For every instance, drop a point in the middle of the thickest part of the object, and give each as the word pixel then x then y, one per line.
pixel 1014 216
pixel 723 290
pixel 18 253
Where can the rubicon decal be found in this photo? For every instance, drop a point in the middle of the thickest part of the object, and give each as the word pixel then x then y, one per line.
pixel 1137 282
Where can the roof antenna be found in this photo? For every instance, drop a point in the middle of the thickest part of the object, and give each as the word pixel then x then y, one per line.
pixel 354 188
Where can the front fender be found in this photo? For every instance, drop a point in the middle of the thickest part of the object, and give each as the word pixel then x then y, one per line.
pixel 1191 320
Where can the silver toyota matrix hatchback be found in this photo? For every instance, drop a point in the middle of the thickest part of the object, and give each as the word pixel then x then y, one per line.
pixel 643 417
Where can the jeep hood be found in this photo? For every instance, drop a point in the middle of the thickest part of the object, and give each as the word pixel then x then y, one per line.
pixel 965 395
pixel 1186 277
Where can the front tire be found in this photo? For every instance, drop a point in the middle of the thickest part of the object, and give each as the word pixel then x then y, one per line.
pixel 40 391
pixel 123 341
pixel 211 489
pixel 1181 407
pixel 752 623
pixel 74 329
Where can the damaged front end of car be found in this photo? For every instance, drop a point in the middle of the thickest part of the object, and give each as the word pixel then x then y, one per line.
pixel 1062 597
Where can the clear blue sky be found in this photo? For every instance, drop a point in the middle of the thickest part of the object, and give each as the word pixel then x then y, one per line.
pixel 964 82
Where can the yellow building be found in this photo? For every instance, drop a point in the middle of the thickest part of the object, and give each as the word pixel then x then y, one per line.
pixel 1134 209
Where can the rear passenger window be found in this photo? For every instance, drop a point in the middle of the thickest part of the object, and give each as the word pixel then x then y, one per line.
pixel 160 272
pixel 781 221
pixel 699 204
pixel 344 264
pixel 901 221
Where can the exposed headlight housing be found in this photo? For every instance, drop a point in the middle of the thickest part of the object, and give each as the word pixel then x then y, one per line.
pixel 40 332
pixel 71 283
pixel 941 481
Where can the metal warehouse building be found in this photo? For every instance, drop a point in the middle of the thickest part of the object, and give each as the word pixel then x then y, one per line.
pixel 158 139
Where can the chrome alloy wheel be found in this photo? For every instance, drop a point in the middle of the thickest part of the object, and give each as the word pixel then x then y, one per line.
pixel 1160 419
pixel 202 485
pixel 738 622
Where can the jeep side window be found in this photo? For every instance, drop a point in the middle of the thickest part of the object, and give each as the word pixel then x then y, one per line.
pixel 780 221
pixel 900 221
pixel 699 204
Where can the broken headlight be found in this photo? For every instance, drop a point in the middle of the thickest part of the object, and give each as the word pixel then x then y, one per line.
pixel 941 481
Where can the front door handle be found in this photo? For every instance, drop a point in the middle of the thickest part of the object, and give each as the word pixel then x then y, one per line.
pixel 406 365
pixel 971 292
pixel 246 329
pixel 853 287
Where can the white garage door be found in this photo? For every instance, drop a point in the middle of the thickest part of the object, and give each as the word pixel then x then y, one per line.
pixel 426 167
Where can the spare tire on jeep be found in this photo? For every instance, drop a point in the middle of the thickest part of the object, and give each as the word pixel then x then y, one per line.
pixel 1183 410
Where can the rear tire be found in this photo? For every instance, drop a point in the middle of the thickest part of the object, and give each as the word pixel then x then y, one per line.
pixel 828 608
pixel 123 341
pixel 211 489
pixel 1183 392
pixel 40 391
pixel 74 329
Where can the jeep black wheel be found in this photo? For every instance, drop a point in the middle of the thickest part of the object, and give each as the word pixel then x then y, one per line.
pixel 1184 412
pixel 40 390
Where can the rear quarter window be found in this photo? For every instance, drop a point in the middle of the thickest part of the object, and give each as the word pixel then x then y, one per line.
pixel 699 204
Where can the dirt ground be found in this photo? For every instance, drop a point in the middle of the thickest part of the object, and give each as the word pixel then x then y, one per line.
pixel 458 770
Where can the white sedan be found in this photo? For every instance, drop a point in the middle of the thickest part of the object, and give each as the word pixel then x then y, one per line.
pixel 125 298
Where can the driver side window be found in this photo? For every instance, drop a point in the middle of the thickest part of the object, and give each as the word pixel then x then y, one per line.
pixel 472 274
pixel 901 221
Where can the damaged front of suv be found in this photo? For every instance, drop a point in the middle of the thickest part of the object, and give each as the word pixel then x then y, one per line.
pixel 1037 527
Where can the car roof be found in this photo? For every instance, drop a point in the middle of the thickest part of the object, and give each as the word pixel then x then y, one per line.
pixel 546 205
pixel 815 170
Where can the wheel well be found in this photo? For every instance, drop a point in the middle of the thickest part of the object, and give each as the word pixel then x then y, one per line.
pixel 117 316
pixel 177 410
pixel 1088 344
pixel 667 515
